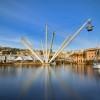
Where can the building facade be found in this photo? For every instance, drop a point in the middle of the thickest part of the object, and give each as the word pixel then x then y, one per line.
pixel 86 56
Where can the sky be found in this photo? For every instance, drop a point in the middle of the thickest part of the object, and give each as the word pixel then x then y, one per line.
pixel 27 18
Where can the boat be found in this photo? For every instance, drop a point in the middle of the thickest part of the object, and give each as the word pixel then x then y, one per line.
pixel 96 65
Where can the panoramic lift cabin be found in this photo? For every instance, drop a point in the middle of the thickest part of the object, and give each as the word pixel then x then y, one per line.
pixel 89 26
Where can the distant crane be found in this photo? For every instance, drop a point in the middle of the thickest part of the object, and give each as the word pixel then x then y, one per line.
pixel 52 40
pixel 51 45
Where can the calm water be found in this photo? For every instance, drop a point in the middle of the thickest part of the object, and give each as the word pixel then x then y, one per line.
pixel 64 82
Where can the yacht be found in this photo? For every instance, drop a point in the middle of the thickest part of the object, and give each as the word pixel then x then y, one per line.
pixel 96 65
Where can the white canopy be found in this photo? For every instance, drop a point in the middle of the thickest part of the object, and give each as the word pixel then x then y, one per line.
pixel 27 58
pixel 24 58
pixel 19 59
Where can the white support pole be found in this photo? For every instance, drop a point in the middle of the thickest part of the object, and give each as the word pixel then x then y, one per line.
pixel 24 41
pixel 66 43
pixel 43 50
pixel 46 45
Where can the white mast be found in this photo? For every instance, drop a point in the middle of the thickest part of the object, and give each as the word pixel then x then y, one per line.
pixel 43 50
pixel 26 43
pixel 46 45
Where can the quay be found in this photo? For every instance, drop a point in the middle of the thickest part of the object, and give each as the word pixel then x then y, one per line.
pixel 86 56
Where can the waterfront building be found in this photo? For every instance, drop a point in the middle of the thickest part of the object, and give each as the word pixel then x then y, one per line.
pixel 85 56
pixel 90 53
pixel 78 57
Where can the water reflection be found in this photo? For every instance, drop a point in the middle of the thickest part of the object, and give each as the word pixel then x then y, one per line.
pixel 72 82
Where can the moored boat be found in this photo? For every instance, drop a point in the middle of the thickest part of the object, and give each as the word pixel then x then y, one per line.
pixel 96 65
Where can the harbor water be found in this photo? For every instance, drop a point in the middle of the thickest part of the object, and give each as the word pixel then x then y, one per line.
pixel 63 82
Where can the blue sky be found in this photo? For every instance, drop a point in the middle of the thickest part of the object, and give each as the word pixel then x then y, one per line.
pixel 28 18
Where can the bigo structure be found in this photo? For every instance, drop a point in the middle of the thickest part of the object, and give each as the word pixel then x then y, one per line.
pixel 47 51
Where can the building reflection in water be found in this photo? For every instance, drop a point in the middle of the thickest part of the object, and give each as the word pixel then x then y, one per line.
pixel 83 70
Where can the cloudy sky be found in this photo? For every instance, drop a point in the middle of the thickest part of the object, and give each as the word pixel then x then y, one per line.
pixel 27 18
